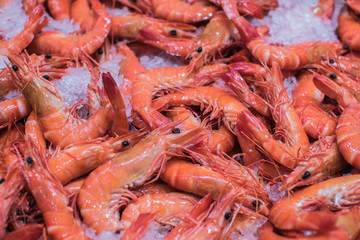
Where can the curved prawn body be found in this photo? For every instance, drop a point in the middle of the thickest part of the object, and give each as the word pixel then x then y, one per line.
pixel 148 83
pixel 324 9
pixel 303 206
pixel 202 180
pixel 221 140
pixel 106 188
pixel 50 197
pixel 213 99
pixel 59 9
pixel 82 14
pixel 130 66
pixel 73 46
pixel 167 205
pixel 347 131
pixel 33 25
pixel 13 110
pixel 182 11
pixel 218 34
pixel 34 132
pixel 128 27
pixel 79 159
pixel 59 126
pixel 349 29
pixel 323 160
pixel 307 101
pixel 283 112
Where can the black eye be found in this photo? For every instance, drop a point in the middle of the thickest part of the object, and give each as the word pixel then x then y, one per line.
pixel 176 131
pixel 331 61
pixel 251 89
pixel 306 175
pixel 345 47
pixel 46 77
pixel 29 160
pixel 125 143
pixel 189 58
pixel 227 62
pixel 19 212
pixel 256 203
pixel 48 56
pixel 199 50
pixel 2 180
pixel 358 15
pixel 227 215
pixel 15 68
pixel 333 76
pixel 173 32
pixel 100 51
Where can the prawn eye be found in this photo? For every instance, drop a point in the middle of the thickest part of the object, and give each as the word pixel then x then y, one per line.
pixel 46 77
pixel 331 61
pixel 125 143
pixel 358 15
pixel 19 212
pixel 2 180
pixel 227 215
pixel 189 58
pixel 306 175
pixel 48 56
pixel 333 76
pixel 29 160
pixel 345 47
pixel 15 68
pixel 199 50
pixel 227 62
pixel 256 203
pixel 176 131
pixel 251 89
pixel 173 32
pixel 100 51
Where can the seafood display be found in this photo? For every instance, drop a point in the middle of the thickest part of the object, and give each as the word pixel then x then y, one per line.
pixel 179 119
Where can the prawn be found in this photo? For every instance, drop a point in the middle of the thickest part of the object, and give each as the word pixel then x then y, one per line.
pixel 59 126
pixel 307 100
pixel 107 186
pixel 353 4
pixel 324 9
pixel 182 11
pixel 347 131
pixel 323 160
pixel 157 79
pixel 78 159
pixel 349 29
pixel 168 205
pixel 201 181
pixel 33 25
pixel 49 195
pixel 33 130
pixel 82 14
pixel 72 46
pixel 59 9
pixel 302 206
pixel 29 232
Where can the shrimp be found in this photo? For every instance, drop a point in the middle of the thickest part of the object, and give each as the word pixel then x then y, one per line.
pixel 33 25
pixel 302 206
pixel 29 232
pixel 72 46
pixel 354 5
pixel 128 27
pixel 323 160
pixel 157 79
pixel 139 226
pixel 168 205
pixel 283 112
pixel 49 195
pixel 107 186
pixel 221 140
pixel 13 110
pixel 181 11
pixel 201 181
pixel 59 9
pixel 347 64
pixel 154 187
pixel 130 66
pixel 236 7
pixel 349 29
pixel 324 9
pixel 76 160
pixel 221 102
pixel 347 131
pixel 218 34
pixel 82 14
pixel 59 126
pixel 307 101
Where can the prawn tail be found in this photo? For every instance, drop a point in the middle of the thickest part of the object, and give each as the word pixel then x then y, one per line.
pixel 35 22
pixel 120 124
pixel 139 226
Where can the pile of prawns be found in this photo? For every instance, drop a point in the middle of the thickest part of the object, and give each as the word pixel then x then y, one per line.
pixel 207 139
